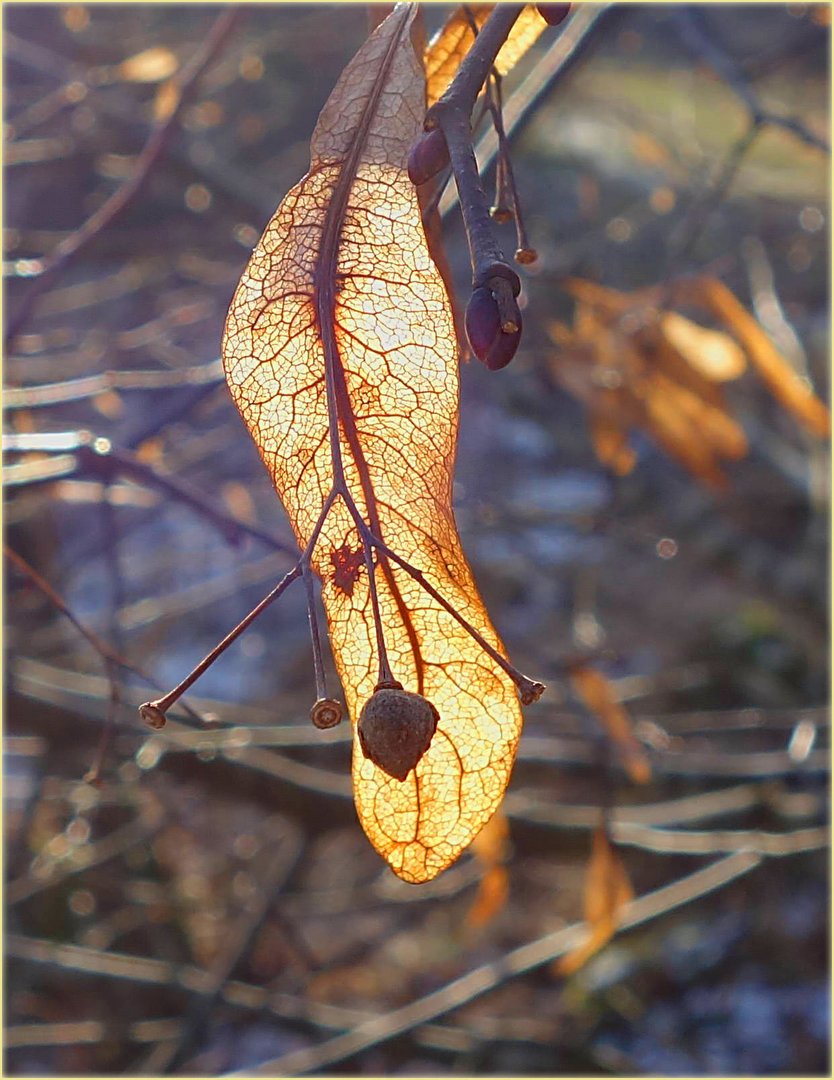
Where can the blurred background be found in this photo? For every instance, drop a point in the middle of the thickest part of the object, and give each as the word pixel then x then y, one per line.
pixel 211 902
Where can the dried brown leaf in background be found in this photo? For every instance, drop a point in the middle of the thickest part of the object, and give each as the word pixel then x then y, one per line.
pixel 597 693
pixel 634 363
pixel 453 41
pixel 339 348
pixel 491 848
pixel 791 391
pixel 607 891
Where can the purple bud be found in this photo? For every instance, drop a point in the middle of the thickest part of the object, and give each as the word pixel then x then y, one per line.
pixel 553 14
pixel 427 156
pixel 493 346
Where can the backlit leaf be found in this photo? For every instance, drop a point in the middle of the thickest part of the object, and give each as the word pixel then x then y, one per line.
pixel 454 40
pixel 340 341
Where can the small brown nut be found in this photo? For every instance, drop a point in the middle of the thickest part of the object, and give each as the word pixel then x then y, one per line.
pixel 326 713
pixel 395 729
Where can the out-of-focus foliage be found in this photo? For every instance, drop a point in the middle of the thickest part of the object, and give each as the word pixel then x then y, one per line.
pixel 214 902
pixel 635 363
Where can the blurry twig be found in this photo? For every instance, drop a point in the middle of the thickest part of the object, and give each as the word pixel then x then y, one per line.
pixel 698 40
pixel 115 843
pixel 238 941
pixel 57 393
pixel 517 962
pixel 185 84
pixel 99 458
pixel 110 658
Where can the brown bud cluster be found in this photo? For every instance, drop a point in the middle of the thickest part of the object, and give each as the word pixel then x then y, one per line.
pixel 490 341
pixel 427 156
pixel 396 728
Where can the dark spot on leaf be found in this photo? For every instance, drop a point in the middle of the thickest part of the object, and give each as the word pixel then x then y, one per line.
pixel 347 563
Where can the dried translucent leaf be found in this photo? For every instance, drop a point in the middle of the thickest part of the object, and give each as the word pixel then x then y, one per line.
pixel 342 309
pixel 607 891
pixel 490 848
pixel 786 386
pixel 149 66
pixel 597 693
pixel 712 353
pixel 453 41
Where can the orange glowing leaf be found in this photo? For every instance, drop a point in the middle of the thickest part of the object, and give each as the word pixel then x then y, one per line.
pixel 340 354
pixel 597 693
pixel 787 387
pixel 454 40
pixel 607 891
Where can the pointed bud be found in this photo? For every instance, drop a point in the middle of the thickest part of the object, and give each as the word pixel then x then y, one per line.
pixel 493 345
pixel 427 156
pixel 395 729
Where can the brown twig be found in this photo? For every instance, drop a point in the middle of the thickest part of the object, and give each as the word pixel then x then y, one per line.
pixel 185 85
pixel 453 115
pixel 98 457
pixel 153 712
pixel 108 655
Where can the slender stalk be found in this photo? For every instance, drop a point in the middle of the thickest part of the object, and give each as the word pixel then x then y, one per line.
pixel 153 712
pixel 529 689
pixel 318 665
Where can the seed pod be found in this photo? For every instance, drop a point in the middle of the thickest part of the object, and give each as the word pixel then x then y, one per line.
pixel 153 716
pixel 490 343
pixel 427 156
pixel 395 729
pixel 553 14
pixel 326 713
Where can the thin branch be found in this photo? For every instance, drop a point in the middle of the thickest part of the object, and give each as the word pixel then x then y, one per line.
pixel 185 84
pixel 153 712
pixel 87 386
pixel 108 655
pixel 574 37
pixel 97 457
pixel 702 45
pixel 453 115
